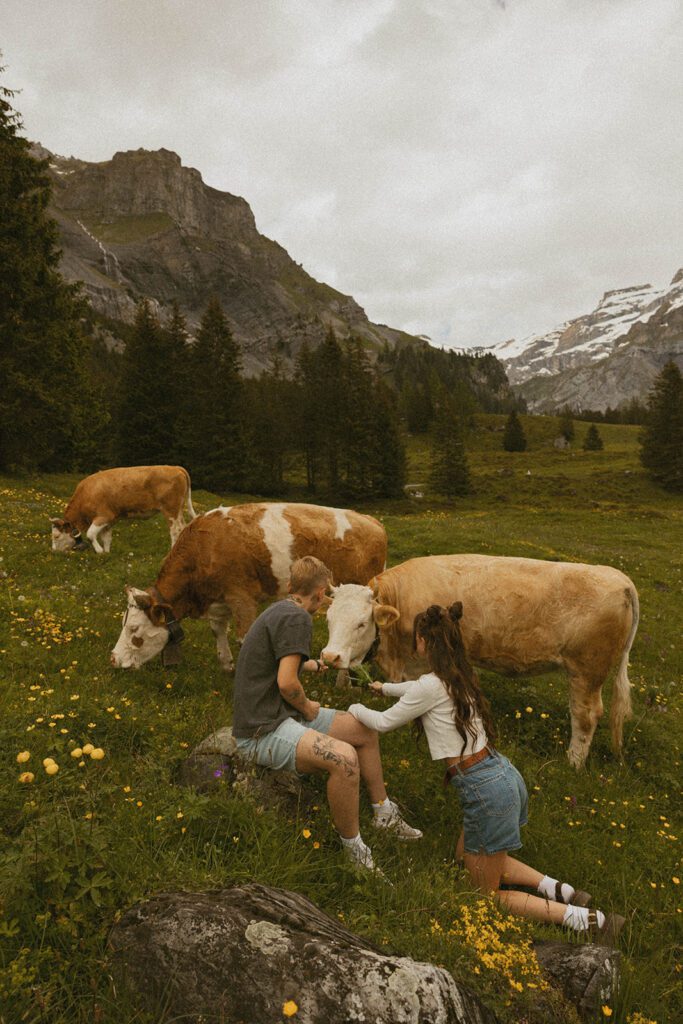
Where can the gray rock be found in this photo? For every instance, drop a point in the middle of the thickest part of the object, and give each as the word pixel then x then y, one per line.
pixel 214 763
pixel 238 955
pixel 587 974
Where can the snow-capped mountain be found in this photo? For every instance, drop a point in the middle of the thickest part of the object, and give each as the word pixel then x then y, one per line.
pixel 602 359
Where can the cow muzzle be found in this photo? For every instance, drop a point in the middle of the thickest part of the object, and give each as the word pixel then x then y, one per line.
pixel 332 659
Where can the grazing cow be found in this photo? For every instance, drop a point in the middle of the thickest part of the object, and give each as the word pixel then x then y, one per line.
pixel 228 560
pixel 130 492
pixel 521 616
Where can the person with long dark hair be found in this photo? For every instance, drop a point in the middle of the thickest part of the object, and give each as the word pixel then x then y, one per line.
pixel 456 717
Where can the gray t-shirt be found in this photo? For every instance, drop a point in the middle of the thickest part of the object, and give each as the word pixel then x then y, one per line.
pixel 258 706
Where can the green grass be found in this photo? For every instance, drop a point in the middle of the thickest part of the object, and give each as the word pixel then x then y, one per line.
pixel 82 845
pixel 131 228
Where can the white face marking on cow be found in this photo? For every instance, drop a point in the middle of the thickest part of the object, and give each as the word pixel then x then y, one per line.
pixel 342 522
pixel 277 534
pixel 351 625
pixel 140 640
pixel 61 541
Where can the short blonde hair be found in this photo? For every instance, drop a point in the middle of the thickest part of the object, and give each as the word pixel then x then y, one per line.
pixel 307 574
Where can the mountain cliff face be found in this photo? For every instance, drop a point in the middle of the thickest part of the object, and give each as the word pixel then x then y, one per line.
pixel 143 226
pixel 602 359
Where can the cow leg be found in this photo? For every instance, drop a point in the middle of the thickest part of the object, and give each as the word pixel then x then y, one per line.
pixel 219 620
pixel 585 702
pixel 176 527
pixel 94 531
pixel 244 609
pixel 105 537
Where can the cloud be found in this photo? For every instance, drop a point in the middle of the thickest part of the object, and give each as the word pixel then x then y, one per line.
pixel 473 171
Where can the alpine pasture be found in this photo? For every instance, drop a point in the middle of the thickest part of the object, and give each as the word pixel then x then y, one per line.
pixel 82 843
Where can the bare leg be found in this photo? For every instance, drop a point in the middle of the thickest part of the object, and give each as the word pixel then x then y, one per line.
pixel 485 870
pixel 366 743
pixel 513 871
pixel 317 752
pixel 534 907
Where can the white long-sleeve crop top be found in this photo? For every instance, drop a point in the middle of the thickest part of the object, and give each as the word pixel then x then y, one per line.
pixel 425 698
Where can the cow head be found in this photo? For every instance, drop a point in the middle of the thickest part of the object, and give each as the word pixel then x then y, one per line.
pixel 353 617
pixel 144 633
pixel 65 536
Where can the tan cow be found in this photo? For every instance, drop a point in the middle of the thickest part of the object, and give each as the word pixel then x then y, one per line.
pixel 131 492
pixel 521 616
pixel 228 560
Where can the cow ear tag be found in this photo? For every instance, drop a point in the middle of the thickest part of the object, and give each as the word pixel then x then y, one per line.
pixel 171 655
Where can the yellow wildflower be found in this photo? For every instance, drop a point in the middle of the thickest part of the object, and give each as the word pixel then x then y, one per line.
pixel 97 754
pixel 607 1011
pixel 23 757
pixel 52 769
pixel 88 748
pixel 26 777
pixel 306 833
pixel 289 1008
pixel 77 752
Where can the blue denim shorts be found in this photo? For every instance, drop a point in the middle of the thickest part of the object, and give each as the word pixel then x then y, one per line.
pixel 277 749
pixel 495 805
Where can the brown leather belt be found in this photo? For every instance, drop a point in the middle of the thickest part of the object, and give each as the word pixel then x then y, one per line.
pixel 466 762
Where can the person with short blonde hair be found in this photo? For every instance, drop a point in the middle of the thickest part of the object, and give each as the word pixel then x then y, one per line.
pixel 276 725
pixel 307 574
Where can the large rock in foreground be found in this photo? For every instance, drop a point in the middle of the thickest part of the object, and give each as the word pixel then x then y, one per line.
pixel 240 954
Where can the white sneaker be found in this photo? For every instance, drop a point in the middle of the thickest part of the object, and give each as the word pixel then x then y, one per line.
pixel 394 823
pixel 361 857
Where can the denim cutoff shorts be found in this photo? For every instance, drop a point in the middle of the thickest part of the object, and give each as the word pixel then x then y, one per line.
pixel 277 749
pixel 495 805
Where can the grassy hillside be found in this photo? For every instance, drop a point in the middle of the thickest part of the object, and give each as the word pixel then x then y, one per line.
pixel 86 842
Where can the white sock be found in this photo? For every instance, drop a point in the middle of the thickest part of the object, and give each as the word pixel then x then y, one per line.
pixel 354 841
pixel 384 808
pixel 576 918
pixel 548 888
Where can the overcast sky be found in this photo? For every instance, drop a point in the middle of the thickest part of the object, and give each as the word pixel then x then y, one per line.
pixel 473 170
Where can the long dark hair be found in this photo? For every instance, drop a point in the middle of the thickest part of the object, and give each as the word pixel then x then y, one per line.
pixel 440 629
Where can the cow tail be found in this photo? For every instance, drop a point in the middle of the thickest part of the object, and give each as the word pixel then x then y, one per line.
pixel 621 692
pixel 188 498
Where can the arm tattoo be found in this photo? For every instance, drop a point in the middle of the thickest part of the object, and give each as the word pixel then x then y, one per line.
pixel 325 750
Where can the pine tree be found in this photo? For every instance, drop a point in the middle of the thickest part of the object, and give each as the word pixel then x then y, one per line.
pixel 662 437
pixel 271 401
pixel 513 438
pixel 216 454
pixel 145 436
pixel 385 456
pixel 449 471
pixel 592 441
pixel 47 405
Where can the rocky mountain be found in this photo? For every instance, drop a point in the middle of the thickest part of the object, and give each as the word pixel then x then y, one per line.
pixel 143 225
pixel 603 359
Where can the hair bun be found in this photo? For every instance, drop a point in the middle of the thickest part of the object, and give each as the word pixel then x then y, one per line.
pixel 455 611
pixel 433 615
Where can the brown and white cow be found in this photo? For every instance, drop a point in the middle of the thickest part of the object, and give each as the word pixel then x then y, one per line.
pixel 521 616
pixel 131 492
pixel 228 560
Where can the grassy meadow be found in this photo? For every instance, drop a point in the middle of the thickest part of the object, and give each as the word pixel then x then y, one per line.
pixel 85 842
